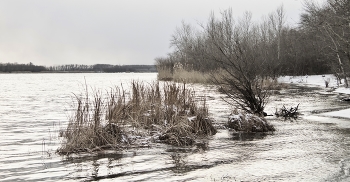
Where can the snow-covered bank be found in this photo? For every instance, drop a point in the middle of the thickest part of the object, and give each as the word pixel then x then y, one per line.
pixel 317 80
pixel 320 80
pixel 342 113
pixel 343 90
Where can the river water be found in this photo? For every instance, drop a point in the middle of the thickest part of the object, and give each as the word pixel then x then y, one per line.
pixel 34 107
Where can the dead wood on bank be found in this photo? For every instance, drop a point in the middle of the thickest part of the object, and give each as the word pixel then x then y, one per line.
pixel 288 113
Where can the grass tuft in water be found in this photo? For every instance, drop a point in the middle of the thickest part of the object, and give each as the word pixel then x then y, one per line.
pixel 245 122
pixel 112 120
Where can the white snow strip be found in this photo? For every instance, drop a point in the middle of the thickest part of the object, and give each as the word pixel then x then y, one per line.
pixel 343 90
pixel 342 113
pixel 319 80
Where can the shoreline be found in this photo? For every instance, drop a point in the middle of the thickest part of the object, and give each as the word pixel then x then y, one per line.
pixel 29 72
pixel 318 81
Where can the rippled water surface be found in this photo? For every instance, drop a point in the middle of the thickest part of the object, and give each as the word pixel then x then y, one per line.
pixel 34 107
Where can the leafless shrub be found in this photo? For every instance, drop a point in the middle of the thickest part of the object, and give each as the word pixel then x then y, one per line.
pixel 239 53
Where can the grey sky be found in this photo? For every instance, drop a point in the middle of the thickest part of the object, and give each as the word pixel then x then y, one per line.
pixel 53 32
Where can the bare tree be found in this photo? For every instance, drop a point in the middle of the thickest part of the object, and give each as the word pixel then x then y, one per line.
pixel 332 20
pixel 276 22
pixel 241 54
pixel 190 45
pixel 233 46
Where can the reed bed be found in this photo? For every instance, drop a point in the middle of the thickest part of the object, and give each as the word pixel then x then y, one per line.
pixel 114 120
pixel 182 75
pixel 165 74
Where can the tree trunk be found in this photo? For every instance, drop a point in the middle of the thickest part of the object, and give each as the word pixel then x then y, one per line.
pixel 342 69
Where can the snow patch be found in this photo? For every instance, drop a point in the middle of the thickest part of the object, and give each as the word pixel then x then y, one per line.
pixel 343 90
pixel 342 113
pixel 319 80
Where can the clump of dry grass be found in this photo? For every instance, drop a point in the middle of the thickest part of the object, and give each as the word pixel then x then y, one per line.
pixel 179 134
pixel 241 121
pixel 107 121
pixel 88 131
pixel 185 119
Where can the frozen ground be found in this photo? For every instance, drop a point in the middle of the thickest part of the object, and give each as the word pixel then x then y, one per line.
pixel 320 80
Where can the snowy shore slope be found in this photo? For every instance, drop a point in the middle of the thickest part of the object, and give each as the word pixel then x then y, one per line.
pixel 319 80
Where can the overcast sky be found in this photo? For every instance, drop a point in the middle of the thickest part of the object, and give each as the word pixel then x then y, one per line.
pixel 54 32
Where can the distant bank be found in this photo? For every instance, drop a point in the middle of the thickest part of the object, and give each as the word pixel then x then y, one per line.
pixel 74 68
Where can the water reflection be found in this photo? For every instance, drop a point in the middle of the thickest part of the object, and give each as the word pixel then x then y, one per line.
pixel 95 169
pixel 241 136
pixel 200 146
pixel 88 157
pixel 180 162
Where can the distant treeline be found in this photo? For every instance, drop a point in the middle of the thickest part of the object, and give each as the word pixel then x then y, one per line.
pixel 320 43
pixel 15 67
